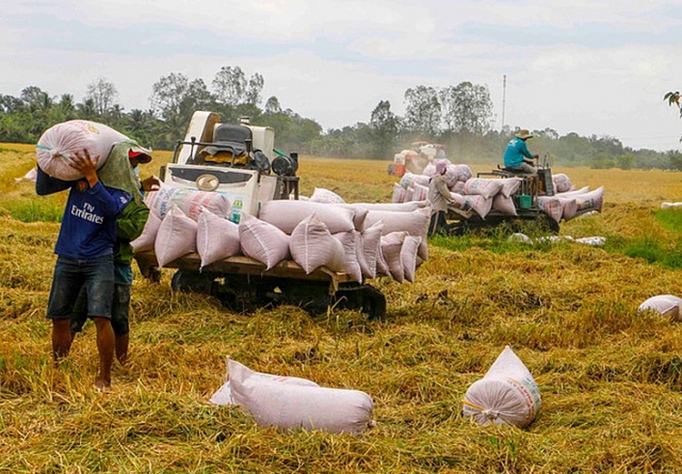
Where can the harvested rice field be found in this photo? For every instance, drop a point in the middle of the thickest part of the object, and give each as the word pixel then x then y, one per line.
pixel 610 376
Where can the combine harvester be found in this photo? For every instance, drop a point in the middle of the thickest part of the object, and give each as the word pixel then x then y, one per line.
pixel 240 161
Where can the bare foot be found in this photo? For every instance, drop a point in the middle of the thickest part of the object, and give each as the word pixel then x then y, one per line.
pixel 102 385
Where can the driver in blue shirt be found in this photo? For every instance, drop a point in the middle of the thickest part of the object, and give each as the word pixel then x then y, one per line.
pixel 517 157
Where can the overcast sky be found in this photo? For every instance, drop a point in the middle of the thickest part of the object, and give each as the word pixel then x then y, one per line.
pixel 590 67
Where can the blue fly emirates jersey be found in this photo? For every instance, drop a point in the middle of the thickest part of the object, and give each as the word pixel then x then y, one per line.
pixel 88 227
pixel 515 152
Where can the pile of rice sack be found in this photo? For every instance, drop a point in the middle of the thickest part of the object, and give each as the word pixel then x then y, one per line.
pixel 485 194
pixel 362 240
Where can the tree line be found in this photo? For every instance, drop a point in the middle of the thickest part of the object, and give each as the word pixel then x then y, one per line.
pixel 459 117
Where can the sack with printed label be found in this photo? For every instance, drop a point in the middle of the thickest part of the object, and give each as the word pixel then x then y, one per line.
pixel 190 201
pixel 59 142
pixel 507 394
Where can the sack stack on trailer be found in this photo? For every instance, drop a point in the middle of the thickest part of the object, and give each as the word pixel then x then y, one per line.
pixel 276 248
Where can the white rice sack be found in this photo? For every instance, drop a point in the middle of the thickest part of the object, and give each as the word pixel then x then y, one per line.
pixel 480 204
pixel 561 182
pixel 194 202
pixel 382 264
pixel 359 214
pixel 421 193
pixel 518 237
pixel 504 204
pixel 408 256
pixel 555 239
pixel 145 241
pixel 59 142
pixel 668 205
pixel 591 201
pixel 510 186
pixel 223 396
pixel 463 172
pixel 410 179
pixel 665 305
pixel 177 236
pixel 31 175
pixel 569 208
pixel 507 394
pixel 460 200
pixel 458 187
pixel 313 246
pixel 398 193
pixel 350 264
pixel 188 200
pixel 286 215
pixel 326 196
pixel 483 187
pixel 292 406
pixel 217 238
pixel 414 223
pixel 359 218
pixel 551 206
pixel 595 241
pixel 263 241
pixel 388 206
pixel 368 248
pixel 429 170
pixel 573 193
pixel 391 246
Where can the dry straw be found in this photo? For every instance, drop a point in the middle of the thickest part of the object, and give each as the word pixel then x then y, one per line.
pixel 609 376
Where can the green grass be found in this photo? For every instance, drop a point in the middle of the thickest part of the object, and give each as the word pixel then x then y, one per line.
pixel 670 218
pixel 31 210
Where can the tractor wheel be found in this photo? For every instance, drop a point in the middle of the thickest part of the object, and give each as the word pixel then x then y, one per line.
pixel 374 303
pixel 366 298
pixel 192 282
pixel 547 223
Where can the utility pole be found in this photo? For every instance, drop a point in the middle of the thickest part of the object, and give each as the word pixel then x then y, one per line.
pixel 504 99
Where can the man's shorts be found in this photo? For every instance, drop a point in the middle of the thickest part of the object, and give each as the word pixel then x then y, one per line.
pixel 96 276
pixel 120 308
pixel 525 168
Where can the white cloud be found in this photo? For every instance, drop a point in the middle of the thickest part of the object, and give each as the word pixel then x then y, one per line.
pixel 584 66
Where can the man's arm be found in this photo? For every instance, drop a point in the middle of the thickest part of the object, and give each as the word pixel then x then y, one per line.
pixel 132 220
pixel 443 189
pixel 85 164
pixel 46 184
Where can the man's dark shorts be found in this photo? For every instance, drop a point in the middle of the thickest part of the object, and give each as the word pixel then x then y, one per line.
pixel 120 309
pixel 96 276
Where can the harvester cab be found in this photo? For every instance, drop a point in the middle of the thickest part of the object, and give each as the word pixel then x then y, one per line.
pixel 235 160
